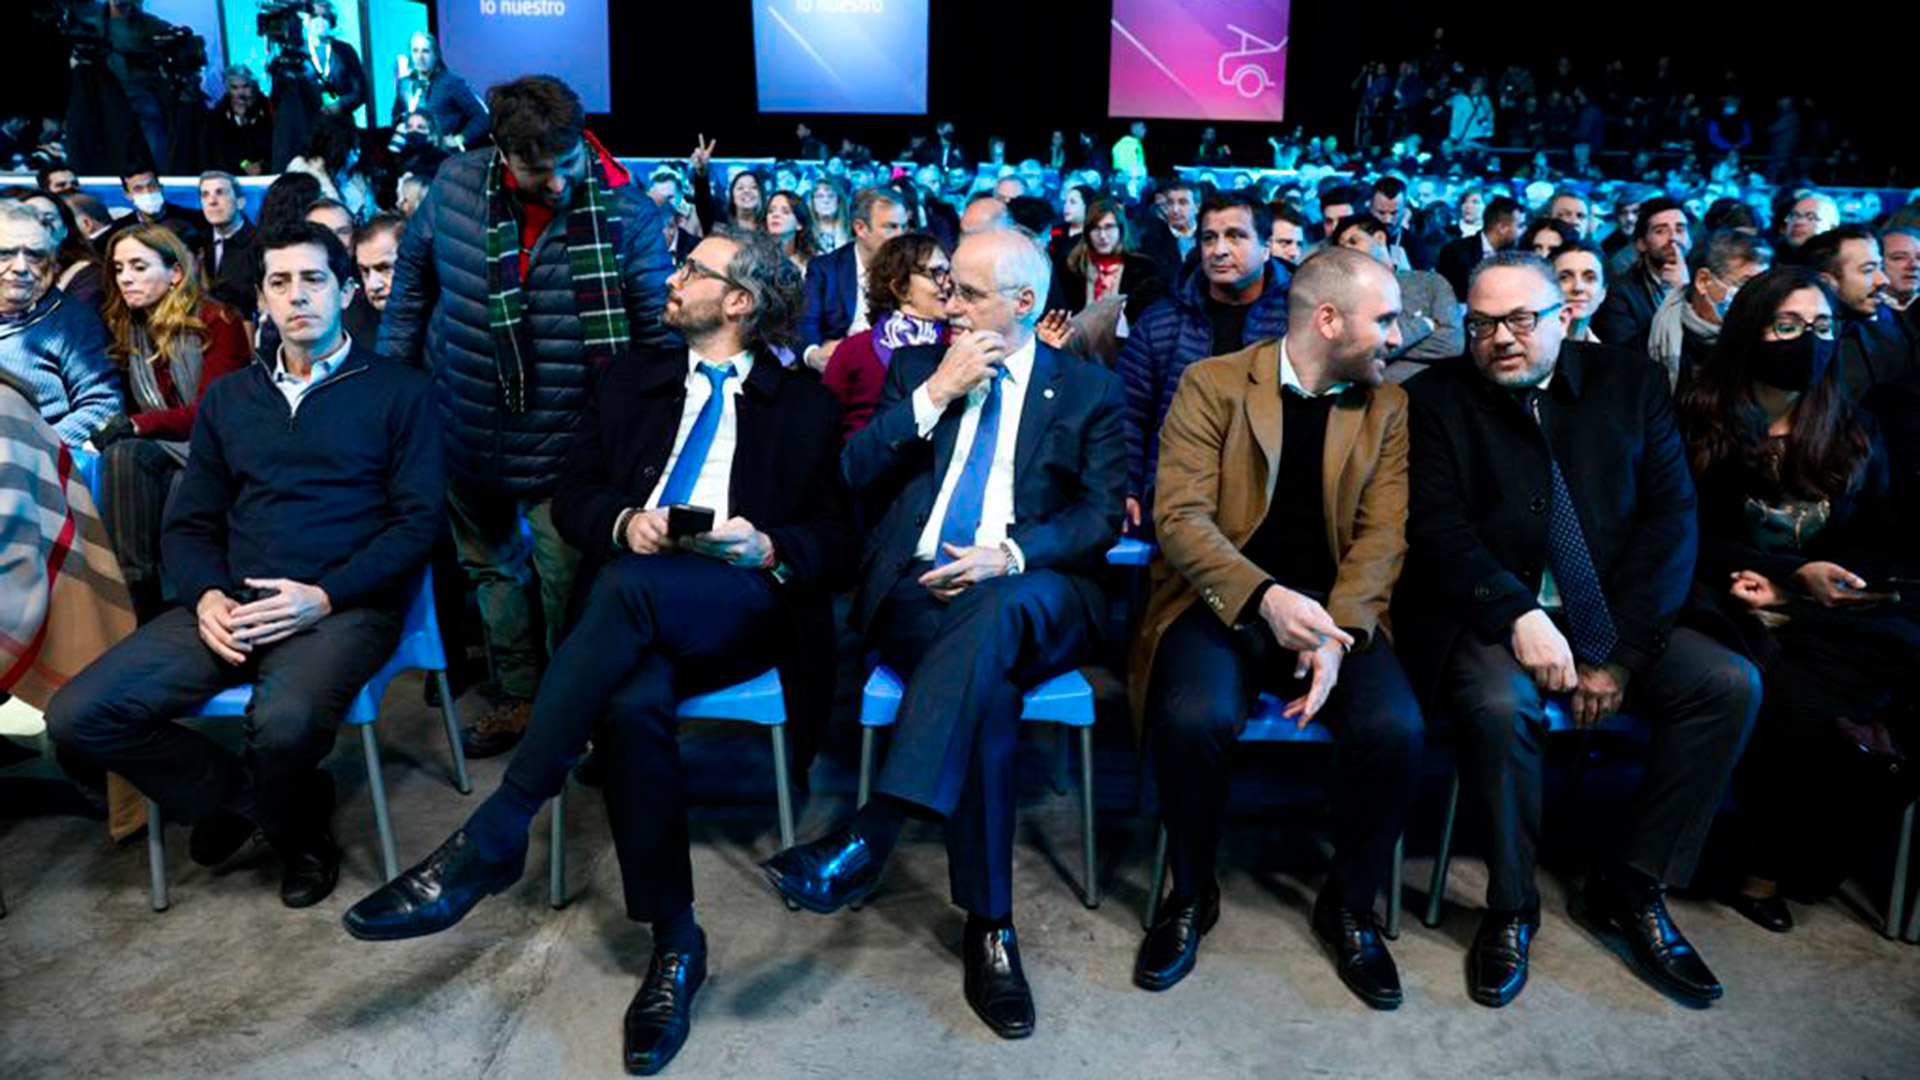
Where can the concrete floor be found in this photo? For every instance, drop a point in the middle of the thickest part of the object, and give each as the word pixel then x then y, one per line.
pixel 230 984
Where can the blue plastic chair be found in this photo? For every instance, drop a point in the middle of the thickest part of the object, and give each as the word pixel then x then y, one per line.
pixel 420 648
pixel 760 700
pixel 1065 699
pixel 1130 551
pixel 1268 726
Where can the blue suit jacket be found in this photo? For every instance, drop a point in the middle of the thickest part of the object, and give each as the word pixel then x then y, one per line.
pixel 1069 463
pixel 833 288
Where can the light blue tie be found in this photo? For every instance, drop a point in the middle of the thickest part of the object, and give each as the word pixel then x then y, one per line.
pixel 969 497
pixel 693 456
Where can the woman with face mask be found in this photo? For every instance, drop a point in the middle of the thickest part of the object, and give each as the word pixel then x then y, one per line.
pixel 171 342
pixel 1800 557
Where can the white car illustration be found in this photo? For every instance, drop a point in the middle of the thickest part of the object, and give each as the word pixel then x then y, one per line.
pixel 1237 68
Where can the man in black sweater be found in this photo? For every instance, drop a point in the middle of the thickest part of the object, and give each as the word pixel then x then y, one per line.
pixel 312 496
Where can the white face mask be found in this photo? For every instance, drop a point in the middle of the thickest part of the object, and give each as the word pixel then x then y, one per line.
pixel 149 202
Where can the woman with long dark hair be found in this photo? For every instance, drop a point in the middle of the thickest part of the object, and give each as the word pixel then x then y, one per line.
pixel 786 222
pixel 1796 546
pixel 172 341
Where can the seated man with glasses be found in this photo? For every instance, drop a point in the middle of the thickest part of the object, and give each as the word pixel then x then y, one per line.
pixel 55 348
pixel 1552 536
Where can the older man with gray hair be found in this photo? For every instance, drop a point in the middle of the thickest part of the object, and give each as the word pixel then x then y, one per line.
pixel 1001 467
pixel 55 347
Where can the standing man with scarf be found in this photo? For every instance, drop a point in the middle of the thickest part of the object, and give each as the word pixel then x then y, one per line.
pixel 525 268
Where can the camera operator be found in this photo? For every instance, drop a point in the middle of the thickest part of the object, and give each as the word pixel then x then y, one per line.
pixel 314 74
pixel 118 109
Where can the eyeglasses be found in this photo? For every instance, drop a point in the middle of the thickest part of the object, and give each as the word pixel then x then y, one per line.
pixel 971 295
pixel 939 275
pixel 35 258
pixel 1804 215
pixel 1788 326
pixel 694 268
pixel 1521 323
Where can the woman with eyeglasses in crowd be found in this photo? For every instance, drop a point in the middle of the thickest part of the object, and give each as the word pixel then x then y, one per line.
pixel 1798 549
pixel 172 342
pixel 1103 263
pixel 907 287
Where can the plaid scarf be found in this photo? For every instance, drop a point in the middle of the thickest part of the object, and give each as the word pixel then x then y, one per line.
pixel 594 267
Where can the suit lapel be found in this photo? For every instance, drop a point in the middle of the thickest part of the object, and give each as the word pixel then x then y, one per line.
pixel 1343 428
pixel 1036 409
pixel 946 432
pixel 1263 410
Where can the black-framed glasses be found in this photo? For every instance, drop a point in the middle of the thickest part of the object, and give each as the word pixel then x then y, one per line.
pixel 1788 326
pixel 941 276
pixel 971 295
pixel 695 268
pixel 1521 323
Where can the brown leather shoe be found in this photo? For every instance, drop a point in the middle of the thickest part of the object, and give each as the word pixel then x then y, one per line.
pixel 497 730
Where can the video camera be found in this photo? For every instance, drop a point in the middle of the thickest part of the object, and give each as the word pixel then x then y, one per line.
pixel 283 23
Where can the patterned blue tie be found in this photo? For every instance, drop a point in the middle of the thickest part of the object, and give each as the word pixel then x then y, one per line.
pixel 970 493
pixel 1591 621
pixel 686 471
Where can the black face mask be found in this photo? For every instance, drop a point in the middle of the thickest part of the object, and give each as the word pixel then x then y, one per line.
pixel 1792 365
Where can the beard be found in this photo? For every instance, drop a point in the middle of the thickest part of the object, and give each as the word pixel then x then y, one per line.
pixel 1500 369
pixel 693 319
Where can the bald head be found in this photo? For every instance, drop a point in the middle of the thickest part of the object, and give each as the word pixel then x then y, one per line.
pixel 1343 318
pixel 1000 280
pixel 984 214
pixel 1339 276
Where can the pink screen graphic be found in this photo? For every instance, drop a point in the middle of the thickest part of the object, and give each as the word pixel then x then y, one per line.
pixel 1199 59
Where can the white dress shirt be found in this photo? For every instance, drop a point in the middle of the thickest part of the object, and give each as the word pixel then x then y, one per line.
pixel 1290 379
pixel 859 295
pixel 295 388
pixel 716 473
pixel 996 509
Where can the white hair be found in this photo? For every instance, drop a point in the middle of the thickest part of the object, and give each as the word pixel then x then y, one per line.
pixel 19 213
pixel 1021 263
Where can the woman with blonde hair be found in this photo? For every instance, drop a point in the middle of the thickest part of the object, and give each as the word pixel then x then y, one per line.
pixel 831 205
pixel 171 341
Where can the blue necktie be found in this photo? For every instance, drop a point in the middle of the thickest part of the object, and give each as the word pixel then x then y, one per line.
pixel 1588 616
pixel 693 456
pixel 970 493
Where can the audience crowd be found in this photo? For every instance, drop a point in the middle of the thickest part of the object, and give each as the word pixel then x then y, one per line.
pixel 1414 436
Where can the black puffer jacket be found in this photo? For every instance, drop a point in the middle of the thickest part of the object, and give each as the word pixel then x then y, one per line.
pixel 437 318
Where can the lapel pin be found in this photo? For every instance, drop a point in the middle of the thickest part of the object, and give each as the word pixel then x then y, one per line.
pixel 1047 393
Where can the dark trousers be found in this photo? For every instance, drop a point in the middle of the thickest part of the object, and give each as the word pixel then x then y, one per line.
pixel 1206 677
pixel 119 713
pixel 656 629
pixel 967 663
pixel 1698 697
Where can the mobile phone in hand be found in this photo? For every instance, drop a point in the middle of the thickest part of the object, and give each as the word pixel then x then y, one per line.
pixel 684 521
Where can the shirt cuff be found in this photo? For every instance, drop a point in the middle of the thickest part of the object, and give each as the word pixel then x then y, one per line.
pixel 620 526
pixel 925 416
pixel 1016 558
pixel 807 357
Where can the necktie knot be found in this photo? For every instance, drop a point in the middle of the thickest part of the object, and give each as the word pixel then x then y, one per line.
pixel 717 374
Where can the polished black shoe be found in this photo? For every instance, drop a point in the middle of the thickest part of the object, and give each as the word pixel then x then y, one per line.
pixel 995 984
pixel 1769 912
pixel 1360 956
pixel 310 859
pixel 219 836
pixel 435 894
pixel 661 1013
pixel 1497 959
pixel 1173 944
pixel 1663 954
pixel 826 875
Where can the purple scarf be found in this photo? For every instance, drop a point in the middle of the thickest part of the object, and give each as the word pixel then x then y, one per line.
pixel 899 330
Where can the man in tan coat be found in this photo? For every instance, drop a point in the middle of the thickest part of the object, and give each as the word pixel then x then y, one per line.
pixel 1282 517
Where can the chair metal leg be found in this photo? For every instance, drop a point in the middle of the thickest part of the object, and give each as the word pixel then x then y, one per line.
pixel 3 903
pixel 866 765
pixel 1394 885
pixel 377 786
pixel 1897 898
pixel 1060 764
pixel 1159 880
pixel 157 857
pixel 451 714
pixel 1091 897
pixel 557 851
pixel 783 790
pixel 1437 888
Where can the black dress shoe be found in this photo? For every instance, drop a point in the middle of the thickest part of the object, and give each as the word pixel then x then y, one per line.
pixel 995 984
pixel 1497 959
pixel 1770 912
pixel 435 894
pixel 310 859
pixel 1168 953
pixel 1663 954
pixel 827 874
pixel 219 836
pixel 1359 955
pixel 661 1013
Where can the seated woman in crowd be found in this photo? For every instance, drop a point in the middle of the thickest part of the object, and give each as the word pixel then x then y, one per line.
pixel 1104 263
pixel 76 269
pixel 1073 220
pixel 1581 268
pixel 1544 236
pixel 172 342
pixel 745 208
pixel 907 286
pixel 832 225
pixel 1796 544
pixel 333 158
pixel 787 224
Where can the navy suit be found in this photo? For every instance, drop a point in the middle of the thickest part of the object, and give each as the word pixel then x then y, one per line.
pixel 968 661
pixel 833 290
